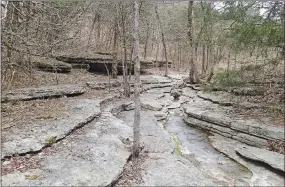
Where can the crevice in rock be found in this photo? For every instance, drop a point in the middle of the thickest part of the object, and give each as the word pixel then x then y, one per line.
pixel 57 140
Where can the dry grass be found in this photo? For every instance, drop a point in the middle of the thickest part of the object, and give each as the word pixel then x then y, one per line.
pixel 24 112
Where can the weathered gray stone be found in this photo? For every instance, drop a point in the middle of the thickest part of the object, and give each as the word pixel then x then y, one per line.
pixel 50 65
pixel 219 97
pixel 95 157
pixel 251 140
pixel 240 125
pixel 266 131
pixel 273 159
pixel 155 80
pixel 160 115
pixel 151 105
pixel 35 136
pixel 261 176
pixel 153 137
pixel 197 123
pixel 43 92
pixel 103 85
pixel 174 105
pixel 172 170
pixel 250 131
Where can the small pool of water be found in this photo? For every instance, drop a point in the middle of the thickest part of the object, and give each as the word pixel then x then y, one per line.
pixel 196 148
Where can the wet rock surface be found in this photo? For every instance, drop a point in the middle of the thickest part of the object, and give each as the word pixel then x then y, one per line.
pixel 273 159
pixel 43 92
pixel 262 176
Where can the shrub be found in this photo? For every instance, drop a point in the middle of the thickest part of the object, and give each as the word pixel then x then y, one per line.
pixel 227 79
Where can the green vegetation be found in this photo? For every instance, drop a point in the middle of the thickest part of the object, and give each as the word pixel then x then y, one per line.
pixel 51 140
pixel 224 80
pixel 178 146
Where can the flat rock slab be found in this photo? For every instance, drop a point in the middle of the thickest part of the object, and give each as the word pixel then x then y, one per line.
pixel 222 116
pixel 94 156
pixel 163 167
pixel 35 136
pixel 172 170
pixel 103 85
pixel 155 80
pixel 261 176
pixel 273 159
pixel 153 137
pixel 151 105
pixel 222 98
pixel 43 92
pixel 227 99
pixel 50 65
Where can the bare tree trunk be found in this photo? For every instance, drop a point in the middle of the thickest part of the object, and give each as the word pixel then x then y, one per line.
pixel 125 65
pixel 163 41
pixel 210 45
pixel 136 145
pixel 156 56
pixel 131 62
pixel 115 53
pixel 203 60
pixel 228 64
pixel 190 37
pixel 146 41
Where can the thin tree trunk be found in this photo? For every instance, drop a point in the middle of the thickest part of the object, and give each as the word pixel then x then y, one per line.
pixel 190 38
pixel 136 144
pixel 163 41
pixel 125 66
pixel 228 64
pixel 146 42
pixel 115 53
pixel 203 60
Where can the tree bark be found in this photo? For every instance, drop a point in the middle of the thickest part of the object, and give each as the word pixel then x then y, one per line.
pixel 125 65
pixel 190 38
pixel 115 52
pixel 163 41
pixel 136 144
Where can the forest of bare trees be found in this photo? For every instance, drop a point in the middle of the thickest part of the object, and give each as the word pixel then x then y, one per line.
pixel 199 37
pixel 142 93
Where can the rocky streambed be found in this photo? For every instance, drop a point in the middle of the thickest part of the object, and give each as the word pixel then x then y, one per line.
pixel 95 147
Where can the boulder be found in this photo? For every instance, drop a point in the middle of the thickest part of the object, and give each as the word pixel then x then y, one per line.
pixel 51 65
pixel 43 92
pixel 273 159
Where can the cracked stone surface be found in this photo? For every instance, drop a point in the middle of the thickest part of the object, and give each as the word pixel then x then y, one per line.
pixel 261 175
pixel 273 159
pixel 43 92
pixel 33 137
pixel 94 156
pixel 172 170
